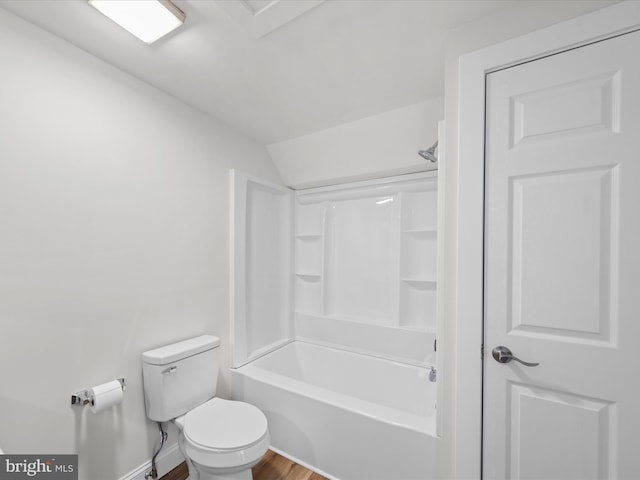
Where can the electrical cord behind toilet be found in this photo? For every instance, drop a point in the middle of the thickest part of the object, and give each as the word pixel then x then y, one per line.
pixel 154 471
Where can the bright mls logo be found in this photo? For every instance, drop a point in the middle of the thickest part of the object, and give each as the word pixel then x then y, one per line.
pixel 49 467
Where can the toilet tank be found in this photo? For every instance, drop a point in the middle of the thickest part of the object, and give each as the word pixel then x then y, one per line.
pixel 180 376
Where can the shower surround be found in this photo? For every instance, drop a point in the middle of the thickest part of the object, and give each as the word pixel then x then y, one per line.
pixel 334 321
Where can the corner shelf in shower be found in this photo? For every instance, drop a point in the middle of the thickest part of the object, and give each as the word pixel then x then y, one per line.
pixel 308 255
pixel 309 258
pixel 418 244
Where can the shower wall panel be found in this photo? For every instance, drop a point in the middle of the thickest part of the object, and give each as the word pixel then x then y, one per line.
pixel 362 258
pixel 261 267
pixel 365 254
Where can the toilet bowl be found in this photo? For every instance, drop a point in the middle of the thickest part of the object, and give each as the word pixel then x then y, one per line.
pixel 220 439
pixel 238 440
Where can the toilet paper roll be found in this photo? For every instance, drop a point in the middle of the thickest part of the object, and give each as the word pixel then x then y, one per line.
pixel 105 396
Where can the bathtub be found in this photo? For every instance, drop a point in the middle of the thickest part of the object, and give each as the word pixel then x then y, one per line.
pixel 345 415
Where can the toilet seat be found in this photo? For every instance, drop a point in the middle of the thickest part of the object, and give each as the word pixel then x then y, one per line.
pixel 224 433
pixel 224 425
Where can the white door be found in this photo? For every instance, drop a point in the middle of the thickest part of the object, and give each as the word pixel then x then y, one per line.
pixel 562 266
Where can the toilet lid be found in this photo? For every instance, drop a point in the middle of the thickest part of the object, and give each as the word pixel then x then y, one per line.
pixel 224 425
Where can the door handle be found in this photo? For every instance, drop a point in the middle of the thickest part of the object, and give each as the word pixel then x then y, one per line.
pixel 503 355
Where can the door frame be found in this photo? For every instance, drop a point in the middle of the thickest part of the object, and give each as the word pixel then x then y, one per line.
pixel 468 182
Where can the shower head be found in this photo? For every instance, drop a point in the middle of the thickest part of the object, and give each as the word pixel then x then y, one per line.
pixel 429 153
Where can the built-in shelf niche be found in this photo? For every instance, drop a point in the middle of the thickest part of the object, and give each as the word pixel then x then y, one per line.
pixel 419 210
pixel 309 257
pixel 366 252
pixel 418 304
pixel 309 222
pixel 418 257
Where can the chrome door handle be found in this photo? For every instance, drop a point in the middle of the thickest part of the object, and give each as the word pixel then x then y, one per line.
pixel 503 355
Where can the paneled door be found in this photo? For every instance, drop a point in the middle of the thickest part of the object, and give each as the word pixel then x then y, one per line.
pixel 562 266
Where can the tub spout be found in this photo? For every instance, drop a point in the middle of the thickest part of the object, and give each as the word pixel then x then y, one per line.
pixel 432 374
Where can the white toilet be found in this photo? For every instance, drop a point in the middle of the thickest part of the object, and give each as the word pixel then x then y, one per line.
pixel 220 439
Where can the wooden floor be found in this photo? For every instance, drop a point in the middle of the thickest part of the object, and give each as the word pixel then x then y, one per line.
pixel 271 467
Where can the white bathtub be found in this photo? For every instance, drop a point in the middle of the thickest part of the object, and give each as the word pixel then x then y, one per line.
pixel 347 416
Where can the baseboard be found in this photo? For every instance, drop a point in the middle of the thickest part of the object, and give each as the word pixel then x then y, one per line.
pixel 168 459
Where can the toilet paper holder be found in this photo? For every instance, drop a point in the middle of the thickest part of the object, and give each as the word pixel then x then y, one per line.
pixel 84 398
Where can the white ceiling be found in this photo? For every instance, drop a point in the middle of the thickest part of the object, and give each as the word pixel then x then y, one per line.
pixel 339 61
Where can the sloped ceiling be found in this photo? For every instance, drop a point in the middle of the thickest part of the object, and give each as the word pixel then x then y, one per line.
pixel 290 67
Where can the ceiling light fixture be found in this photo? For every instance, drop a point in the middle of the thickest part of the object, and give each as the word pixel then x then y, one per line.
pixel 148 20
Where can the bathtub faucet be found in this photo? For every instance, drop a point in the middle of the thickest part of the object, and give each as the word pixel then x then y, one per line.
pixel 432 374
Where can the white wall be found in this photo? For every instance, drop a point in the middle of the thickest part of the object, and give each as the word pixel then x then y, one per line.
pixel 113 239
pixel 378 146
